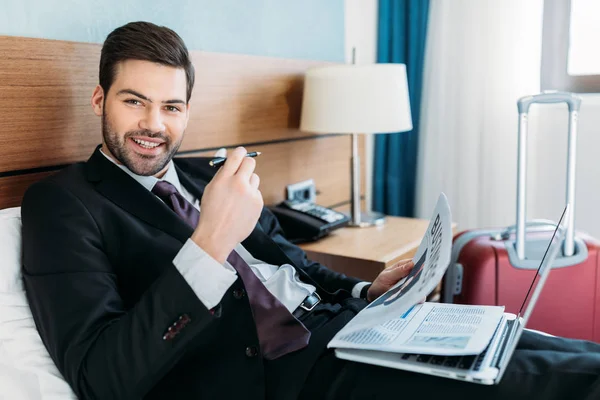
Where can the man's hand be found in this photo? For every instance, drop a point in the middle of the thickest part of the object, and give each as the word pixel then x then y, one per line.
pixel 388 278
pixel 230 207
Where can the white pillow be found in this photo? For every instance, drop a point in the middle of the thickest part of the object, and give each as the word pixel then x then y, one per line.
pixel 26 369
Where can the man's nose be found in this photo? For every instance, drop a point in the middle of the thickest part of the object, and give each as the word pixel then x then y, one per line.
pixel 153 120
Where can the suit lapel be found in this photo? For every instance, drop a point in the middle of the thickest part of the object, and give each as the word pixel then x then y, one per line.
pixel 262 247
pixel 128 194
pixel 192 185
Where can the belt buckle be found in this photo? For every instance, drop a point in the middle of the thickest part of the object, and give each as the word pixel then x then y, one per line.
pixel 312 306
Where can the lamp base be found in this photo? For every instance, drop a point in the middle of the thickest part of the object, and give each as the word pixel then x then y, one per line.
pixel 369 218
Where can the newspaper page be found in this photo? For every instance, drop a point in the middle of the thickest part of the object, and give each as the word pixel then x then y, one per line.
pixel 394 322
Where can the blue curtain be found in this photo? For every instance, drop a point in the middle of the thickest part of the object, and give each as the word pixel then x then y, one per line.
pixel 402 29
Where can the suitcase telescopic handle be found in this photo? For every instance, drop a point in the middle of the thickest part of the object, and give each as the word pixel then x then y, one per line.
pixel 574 103
pixel 549 97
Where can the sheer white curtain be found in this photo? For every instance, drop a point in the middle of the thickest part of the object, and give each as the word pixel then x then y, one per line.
pixel 481 56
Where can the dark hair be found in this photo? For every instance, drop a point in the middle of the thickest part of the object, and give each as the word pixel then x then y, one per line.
pixel 148 42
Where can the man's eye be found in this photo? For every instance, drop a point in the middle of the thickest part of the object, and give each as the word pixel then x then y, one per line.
pixel 172 109
pixel 133 102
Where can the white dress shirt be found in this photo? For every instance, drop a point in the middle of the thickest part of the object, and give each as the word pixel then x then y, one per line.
pixel 210 279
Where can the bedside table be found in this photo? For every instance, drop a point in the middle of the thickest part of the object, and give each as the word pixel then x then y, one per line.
pixel 364 252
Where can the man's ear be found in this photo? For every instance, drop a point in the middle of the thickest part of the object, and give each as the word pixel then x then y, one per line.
pixel 98 100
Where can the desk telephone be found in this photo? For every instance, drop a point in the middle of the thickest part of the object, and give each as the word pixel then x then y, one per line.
pixel 303 221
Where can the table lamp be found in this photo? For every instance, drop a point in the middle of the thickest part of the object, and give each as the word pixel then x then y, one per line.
pixel 356 99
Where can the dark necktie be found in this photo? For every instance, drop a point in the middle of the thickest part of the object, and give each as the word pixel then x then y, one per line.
pixel 279 332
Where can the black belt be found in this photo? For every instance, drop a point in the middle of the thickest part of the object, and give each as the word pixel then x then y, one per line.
pixel 309 303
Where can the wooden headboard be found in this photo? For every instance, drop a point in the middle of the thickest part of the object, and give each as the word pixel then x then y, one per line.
pixel 46 121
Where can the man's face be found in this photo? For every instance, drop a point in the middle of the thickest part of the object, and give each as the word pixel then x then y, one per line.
pixel 144 115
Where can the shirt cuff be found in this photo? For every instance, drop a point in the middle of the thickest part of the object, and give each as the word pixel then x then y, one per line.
pixel 206 276
pixel 358 288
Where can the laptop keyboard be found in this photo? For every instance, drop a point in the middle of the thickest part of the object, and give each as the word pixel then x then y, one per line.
pixel 465 363
pixel 460 362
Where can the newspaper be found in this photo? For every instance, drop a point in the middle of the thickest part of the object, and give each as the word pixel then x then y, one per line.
pixel 397 322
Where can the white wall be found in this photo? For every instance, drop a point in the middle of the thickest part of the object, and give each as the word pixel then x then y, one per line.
pixel 361 30
pixel 261 27
pixel 547 166
pixel 361 33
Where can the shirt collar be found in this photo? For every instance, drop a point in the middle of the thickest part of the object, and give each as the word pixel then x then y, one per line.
pixel 149 181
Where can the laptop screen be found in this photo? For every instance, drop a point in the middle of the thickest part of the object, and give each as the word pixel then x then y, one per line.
pixel 538 282
pixel 545 265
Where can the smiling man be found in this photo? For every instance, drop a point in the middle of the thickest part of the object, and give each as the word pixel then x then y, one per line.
pixel 154 128
pixel 134 291
pixel 153 277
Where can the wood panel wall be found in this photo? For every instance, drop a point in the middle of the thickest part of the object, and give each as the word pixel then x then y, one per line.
pixel 46 121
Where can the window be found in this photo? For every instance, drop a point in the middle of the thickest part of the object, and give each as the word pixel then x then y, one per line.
pixel 570 51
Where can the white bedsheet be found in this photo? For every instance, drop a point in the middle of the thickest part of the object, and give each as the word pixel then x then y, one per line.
pixel 26 370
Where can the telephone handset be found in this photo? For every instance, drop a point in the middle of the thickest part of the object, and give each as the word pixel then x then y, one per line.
pixel 303 221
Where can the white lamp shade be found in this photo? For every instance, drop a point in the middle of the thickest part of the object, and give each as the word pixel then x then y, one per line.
pixel 353 98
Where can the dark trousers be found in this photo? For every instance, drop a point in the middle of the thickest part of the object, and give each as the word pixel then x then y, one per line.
pixel 542 367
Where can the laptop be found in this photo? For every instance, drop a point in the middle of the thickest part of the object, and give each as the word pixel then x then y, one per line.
pixel 488 367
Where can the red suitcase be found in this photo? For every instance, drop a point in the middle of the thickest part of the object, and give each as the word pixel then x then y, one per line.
pixel 496 266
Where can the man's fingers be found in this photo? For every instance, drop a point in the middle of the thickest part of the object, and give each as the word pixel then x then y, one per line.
pixel 400 271
pixel 233 161
pixel 222 152
pixel 402 263
pixel 254 181
pixel 246 168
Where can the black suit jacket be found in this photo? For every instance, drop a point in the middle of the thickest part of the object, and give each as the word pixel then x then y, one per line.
pixel 97 266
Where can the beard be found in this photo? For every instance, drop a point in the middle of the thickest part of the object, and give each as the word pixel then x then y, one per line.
pixel 139 164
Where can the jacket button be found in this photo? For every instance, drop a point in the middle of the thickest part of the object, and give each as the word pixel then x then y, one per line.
pixel 251 351
pixel 239 293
